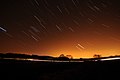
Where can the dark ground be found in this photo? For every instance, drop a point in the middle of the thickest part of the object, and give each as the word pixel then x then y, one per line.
pixel 26 70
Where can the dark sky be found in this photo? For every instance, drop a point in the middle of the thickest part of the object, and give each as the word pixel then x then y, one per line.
pixel 52 27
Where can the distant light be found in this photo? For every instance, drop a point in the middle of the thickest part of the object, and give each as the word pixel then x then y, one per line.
pixel 110 59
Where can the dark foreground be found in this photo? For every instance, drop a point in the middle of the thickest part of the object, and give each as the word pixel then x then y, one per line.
pixel 27 70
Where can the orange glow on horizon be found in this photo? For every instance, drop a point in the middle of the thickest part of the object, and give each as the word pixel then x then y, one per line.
pixel 85 54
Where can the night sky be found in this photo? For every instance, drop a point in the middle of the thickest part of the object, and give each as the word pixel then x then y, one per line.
pixel 80 28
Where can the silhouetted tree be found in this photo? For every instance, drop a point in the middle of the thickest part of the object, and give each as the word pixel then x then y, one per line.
pixel 69 56
pixel 96 56
pixel 62 57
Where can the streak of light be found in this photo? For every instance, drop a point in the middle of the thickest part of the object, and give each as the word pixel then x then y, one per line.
pixel 46 2
pixel 9 35
pixel 50 11
pixel 38 60
pixel 35 29
pixel 92 8
pixel 78 48
pixel 58 28
pixel 34 38
pixel 96 8
pixel 90 20
pixel 25 33
pixel 67 10
pixel 81 14
pixel 3 29
pixel 42 25
pixel 46 5
pixel 76 22
pixel 110 59
pixel 37 18
pixel 77 1
pixel 71 29
pixel 36 2
pixel 81 46
pixel 39 21
pixel 74 3
pixel 103 5
pixel 106 26
pixel 59 9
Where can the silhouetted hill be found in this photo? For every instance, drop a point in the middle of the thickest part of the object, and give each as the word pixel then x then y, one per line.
pixel 63 58
pixel 24 56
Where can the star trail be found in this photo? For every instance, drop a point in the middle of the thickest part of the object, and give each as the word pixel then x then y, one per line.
pixel 80 28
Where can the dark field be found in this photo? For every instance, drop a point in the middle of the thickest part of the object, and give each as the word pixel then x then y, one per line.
pixel 27 70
